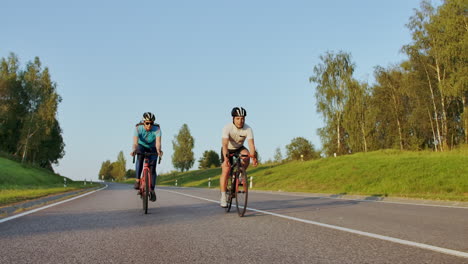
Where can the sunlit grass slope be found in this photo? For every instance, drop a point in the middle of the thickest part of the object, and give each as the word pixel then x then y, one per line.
pixel 427 175
pixel 22 182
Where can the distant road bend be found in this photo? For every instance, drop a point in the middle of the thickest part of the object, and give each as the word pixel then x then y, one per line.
pixel 187 225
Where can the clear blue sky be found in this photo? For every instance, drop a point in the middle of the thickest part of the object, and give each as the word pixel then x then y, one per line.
pixel 191 62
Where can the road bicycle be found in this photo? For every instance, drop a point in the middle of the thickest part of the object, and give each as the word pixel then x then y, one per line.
pixel 145 179
pixel 237 186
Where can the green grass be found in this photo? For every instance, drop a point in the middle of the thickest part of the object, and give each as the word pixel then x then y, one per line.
pixel 389 173
pixel 426 175
pixel 20 182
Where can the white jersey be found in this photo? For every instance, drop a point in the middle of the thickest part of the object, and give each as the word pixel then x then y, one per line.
pixel 237 136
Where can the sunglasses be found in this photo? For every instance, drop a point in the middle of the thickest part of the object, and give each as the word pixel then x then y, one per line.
pixel 148 123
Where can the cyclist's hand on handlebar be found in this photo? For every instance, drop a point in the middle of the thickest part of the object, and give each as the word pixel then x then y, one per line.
pixel 132 153
pixel 160 153
pixel 254 161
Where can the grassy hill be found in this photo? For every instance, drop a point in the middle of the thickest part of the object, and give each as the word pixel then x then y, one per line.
pixel 427 175
pixel 20 182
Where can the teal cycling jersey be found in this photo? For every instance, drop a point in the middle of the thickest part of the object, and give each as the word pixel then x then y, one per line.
pixel 147 138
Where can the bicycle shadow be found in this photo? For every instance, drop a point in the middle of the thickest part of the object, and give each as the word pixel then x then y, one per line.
pixel 298 205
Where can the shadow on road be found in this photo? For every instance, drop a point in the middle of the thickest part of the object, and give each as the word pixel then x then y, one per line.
pixel 59 221
pixel 301 204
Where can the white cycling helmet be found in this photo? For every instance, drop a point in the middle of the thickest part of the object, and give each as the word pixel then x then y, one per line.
pixel 148 116
pixel 238 111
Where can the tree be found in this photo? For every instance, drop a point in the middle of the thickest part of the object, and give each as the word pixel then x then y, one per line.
pixel 439 50
pixel 117 172
pixel 28 107
pixel 301 149
pixel 105 171
pixel 278 156
pixel 420 103
pixel 357 117
pixel 448 33
pixel 130 174
pixel 183 143
pixel 51 148
pixel 119 167
pixel 42 107
pixel 391 89
pixel 210 159
pixel 12 103
pixel 333 77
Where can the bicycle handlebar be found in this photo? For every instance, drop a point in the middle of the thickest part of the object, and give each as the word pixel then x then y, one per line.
pixel 242 155
pixel 147 154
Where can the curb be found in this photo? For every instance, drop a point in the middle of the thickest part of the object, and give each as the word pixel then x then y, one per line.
pixel 16 208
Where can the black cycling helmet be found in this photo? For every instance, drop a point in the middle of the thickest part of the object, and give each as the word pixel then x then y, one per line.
pixel 148 116
pixel 238 111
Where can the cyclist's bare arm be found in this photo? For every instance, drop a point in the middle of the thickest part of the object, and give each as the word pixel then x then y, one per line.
pixel 252 152
pixel 135 145
pixel 158 146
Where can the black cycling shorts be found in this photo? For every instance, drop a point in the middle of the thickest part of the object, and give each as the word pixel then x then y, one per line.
pixel 231 151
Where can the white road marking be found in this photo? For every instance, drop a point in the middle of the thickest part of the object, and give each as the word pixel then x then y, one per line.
pixel 47 206
pixel 353 231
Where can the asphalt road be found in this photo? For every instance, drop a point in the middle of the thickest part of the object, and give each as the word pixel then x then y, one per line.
pixel 186 225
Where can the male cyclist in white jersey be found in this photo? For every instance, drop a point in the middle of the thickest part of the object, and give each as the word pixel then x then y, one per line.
pixel 234 135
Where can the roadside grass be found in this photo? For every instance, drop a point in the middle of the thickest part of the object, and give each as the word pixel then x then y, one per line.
pixel 14 194
pixel 19 182
pixel 385 173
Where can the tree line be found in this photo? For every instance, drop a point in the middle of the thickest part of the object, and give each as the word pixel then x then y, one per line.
pixel 115 170
pixel 421 103
pixel 183 157
pixel 29 129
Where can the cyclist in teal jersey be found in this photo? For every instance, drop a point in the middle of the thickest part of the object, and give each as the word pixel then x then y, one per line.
pixel 147 139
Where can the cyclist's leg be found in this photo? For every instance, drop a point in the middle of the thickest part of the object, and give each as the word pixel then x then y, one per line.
pixel 153 176
pixel 153 163
pixel 139 165
pixel 153 180
pixel 140 159
pixel 224 174
pixel 223 181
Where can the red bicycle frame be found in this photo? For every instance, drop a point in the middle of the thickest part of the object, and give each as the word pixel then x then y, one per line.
pixel 145 179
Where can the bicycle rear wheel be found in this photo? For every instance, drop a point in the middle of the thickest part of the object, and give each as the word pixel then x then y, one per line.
pixel 230 187
pixel 242 193
pixel 145 194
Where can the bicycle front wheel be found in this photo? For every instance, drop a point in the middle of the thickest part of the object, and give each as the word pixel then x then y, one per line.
pixel 241 192
pixel 230 188
pixel 145 194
